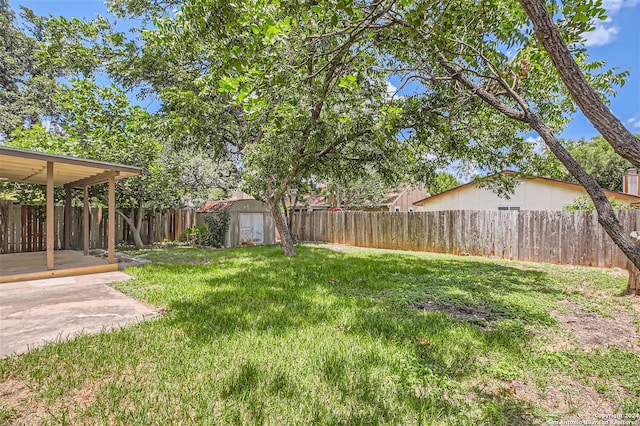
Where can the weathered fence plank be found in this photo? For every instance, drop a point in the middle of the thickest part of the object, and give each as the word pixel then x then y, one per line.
pixel 574 238
pixel 22 227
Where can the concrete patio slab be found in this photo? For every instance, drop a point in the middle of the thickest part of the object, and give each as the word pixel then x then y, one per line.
pixel 33 313
pixel 30 262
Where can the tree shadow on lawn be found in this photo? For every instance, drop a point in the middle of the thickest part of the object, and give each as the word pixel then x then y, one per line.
pixel 379 297
pixel 282 292
pixel 363 399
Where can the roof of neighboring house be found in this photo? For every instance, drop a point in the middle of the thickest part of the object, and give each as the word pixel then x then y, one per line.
pixel 217 206
pixel 618 195
pixel 314 199
pixel 391 197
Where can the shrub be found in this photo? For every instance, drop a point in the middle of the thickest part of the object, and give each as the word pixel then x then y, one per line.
pixel 584 202
pixel 217 225
pixel 199 235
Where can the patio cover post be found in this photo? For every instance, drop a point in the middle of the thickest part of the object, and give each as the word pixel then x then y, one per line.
pixel 111 236
pixel 67 218
pixel 49 225
pixel 85 221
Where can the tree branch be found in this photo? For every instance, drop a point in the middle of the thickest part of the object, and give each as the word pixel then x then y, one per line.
pixel 622 141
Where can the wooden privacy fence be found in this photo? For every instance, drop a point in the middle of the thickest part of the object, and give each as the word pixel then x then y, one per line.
pixel 574 238
pixel 22 227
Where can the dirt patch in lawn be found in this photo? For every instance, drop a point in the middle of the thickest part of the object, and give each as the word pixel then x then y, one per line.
pixel 17 396
pixel 479 315
pixel 564 397
pixel 582 330
pixel 590 330
pixel 13 392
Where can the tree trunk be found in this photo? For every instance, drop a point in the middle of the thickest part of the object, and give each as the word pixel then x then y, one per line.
pixel 622 141
pixel 283 229
pixel 137 238
pixel 286 214
pixel 633 285
pixel 606 215
pixel 135 226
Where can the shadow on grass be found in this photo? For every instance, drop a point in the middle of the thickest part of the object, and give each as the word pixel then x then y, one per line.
pixel 382 296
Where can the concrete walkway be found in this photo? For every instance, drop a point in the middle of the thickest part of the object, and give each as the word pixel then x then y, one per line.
pixel 33 313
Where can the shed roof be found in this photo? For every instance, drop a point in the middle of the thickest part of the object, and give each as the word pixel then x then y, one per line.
pixel 19 165
pixel 216 206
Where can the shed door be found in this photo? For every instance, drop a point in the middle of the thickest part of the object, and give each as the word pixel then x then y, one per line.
pixel 251 228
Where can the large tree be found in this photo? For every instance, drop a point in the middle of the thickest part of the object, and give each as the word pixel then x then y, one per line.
pixel 290 98
pixel 573 76
pixel 26 83
pixel 296 91
pixel 99 123
pixel 473 64
pixel 73 114
pixel 487 54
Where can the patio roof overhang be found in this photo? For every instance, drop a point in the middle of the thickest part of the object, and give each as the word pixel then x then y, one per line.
pixel 18 165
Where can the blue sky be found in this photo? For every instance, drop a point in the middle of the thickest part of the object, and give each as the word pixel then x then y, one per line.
pixel 616 40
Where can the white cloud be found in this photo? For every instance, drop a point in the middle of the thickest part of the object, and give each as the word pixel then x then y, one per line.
pixel 613 6
pixel 634 122
pixel 392 91
pixel 537 142
pixel 604 33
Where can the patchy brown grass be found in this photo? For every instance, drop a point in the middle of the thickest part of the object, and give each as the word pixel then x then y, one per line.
pixel 14 392
pixel 602 320
pixel 565 397
pixel 19 397
pixel 590 330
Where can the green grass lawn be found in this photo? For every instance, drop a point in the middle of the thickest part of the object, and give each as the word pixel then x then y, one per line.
pixel 339 335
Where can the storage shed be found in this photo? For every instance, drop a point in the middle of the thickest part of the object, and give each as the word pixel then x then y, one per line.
pixel 250 221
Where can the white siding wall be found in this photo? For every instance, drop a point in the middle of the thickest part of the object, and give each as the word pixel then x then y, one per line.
pixel 529 195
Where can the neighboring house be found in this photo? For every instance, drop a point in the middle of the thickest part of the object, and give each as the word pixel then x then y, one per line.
pixel 250 221
pixel 315 201
pixel 395 201
pixel 403 201
pixel 630 182
pixel 535 193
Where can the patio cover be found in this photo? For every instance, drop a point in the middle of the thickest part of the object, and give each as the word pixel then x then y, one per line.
pixel 18 165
